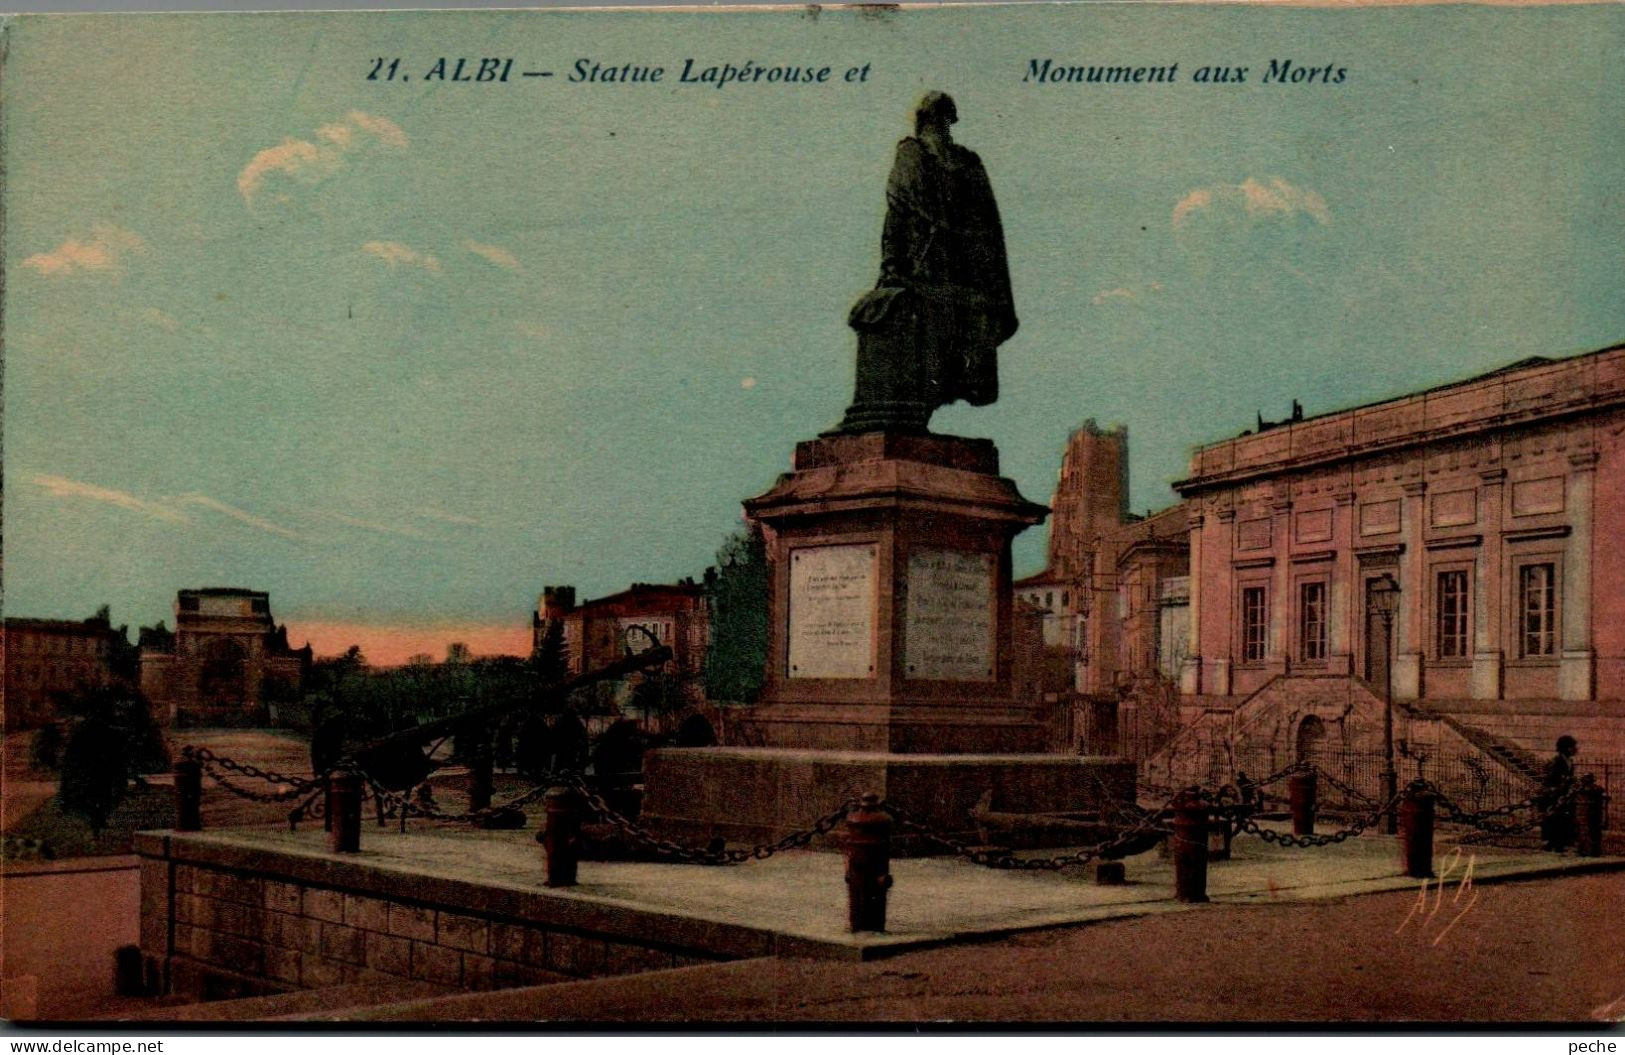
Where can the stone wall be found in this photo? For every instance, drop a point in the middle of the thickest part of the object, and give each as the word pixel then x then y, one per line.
pixel 214 930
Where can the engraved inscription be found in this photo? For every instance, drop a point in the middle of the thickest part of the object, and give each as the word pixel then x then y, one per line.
pixel 949 616
pixel 832 612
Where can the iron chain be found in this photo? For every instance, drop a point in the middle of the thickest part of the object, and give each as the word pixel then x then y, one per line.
pixel 1001 858
pixel 212 764
pixel 697 855
pixel 1276 838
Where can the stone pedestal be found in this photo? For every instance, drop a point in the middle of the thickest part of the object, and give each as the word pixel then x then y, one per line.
pixel 759 795
pixel 891 604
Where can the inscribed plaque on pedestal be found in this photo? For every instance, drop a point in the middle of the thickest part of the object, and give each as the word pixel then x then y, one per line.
pixel 949 620
pixel 832 612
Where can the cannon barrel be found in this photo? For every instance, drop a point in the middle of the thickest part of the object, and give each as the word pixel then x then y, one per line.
pixel 423 734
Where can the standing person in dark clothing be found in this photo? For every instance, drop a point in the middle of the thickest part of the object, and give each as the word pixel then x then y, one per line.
pixel 1557 826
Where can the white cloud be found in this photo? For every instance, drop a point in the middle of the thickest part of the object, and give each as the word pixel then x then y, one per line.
pixel 382 129
pixel 533 330
pixel 372 525
pixel 310 163
pixel 62 487
pixel 747 383
pixel 239 515
pixel 104 253
pixel 169 510
pixel 1252 200
pixel 494 254
pixel 1120 293
pixel 397 255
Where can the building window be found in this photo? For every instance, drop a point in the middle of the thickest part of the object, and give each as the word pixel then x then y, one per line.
pixel 1537 603
pixel 1254 624
pixel 1312 622
pixel 1450 615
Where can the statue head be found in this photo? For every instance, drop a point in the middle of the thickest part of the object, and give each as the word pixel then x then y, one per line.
pixel 935 108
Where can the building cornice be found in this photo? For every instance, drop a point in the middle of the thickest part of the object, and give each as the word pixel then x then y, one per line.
pixel 1546 392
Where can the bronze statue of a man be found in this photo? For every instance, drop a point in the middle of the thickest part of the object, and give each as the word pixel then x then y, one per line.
pixel 929 332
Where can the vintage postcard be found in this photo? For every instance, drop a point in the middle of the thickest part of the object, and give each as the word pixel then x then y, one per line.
pixel 1033 513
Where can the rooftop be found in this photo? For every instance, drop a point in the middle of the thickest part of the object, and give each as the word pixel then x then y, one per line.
pixel 1530 389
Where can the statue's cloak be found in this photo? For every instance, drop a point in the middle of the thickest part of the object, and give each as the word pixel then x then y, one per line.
pixel 944 288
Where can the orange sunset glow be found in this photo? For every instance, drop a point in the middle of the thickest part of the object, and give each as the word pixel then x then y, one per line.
pixel 388 646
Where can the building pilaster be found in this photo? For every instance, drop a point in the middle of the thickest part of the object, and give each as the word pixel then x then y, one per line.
pixel 1576 675
pixel 1489 605
pixel 1190 671
pixel 1280 653
pixel 1341 611
pixel 1220 657
pixel 1408 634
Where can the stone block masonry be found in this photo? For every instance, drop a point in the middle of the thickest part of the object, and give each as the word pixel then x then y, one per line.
pixel 223 920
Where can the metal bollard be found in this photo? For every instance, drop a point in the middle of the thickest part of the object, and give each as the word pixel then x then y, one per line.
pixel 188 795
pixel 1301 791
pixel 561 838
pixel 868 865
pixel 1416 830
pixel 1189 843
pixel 1589 801
pixel 481 775
pixel 344 811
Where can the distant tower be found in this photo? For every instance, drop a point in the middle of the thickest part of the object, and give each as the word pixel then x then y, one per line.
pixel 558 605
pixel 557 601
pixel 1091 495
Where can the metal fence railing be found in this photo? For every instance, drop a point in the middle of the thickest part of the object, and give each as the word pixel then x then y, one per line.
pixel 1474 780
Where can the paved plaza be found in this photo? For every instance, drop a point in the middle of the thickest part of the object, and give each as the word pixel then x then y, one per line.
pixel 801 895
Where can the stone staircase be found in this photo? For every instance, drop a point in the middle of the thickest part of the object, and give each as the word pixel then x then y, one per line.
pixel 1516 760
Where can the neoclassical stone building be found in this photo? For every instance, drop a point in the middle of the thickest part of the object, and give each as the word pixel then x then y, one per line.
pixel 1497 504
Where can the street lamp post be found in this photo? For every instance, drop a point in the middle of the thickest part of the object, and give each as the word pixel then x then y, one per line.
pixel 1383 599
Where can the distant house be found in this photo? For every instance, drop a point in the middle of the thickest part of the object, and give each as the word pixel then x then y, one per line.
pixel 44 658
pixel 599 631
pixel 224 663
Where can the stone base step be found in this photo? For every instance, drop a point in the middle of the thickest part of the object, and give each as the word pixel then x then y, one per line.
pixel 280 1005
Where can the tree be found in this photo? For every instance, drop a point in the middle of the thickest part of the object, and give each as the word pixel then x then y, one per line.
pixel 549 660
pixel 736 593
pixel 112 739
pixel 45 753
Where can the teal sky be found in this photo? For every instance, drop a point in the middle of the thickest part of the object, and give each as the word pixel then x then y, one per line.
pixel 401 353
